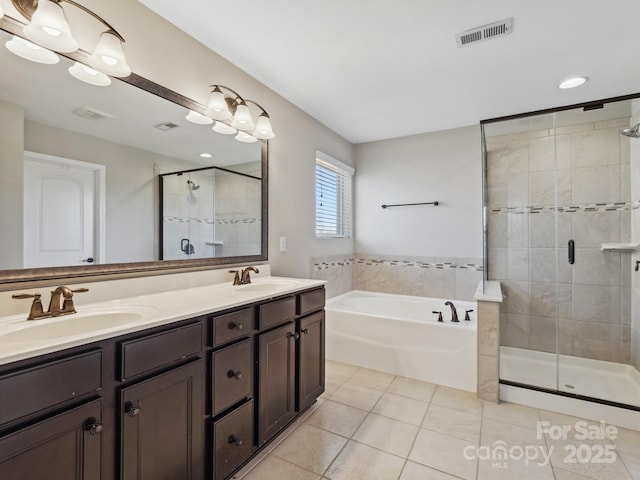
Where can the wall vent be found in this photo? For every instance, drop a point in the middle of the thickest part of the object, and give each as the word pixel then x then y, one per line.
pixel 91 114
pixel 485 32
pixel 166 126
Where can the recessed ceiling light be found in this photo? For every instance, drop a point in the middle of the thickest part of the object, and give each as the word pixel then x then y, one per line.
pixel 573 82
pixel 205 155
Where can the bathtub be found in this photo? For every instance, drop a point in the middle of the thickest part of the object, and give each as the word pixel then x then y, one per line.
pixel 398 334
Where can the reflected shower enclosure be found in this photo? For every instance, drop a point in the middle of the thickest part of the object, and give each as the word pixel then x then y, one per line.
pixel 562 230
pixel 209 212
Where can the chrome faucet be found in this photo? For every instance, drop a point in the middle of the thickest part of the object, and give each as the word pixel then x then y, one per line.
pixel 244 277
pixel 36 312
pixel 454 312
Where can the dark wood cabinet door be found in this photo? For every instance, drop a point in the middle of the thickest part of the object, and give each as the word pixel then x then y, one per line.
pixel 310 360
pixel 276 390
pixel 63 447
pixel 162 426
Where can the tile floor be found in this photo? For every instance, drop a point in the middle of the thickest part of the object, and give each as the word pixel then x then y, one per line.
pixel 376 426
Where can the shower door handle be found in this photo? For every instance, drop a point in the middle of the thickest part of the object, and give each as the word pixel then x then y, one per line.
pixel 572 252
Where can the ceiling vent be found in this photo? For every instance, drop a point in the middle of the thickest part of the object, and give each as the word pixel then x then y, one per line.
pixel 485 32
pixel 166 126
pixel 91 114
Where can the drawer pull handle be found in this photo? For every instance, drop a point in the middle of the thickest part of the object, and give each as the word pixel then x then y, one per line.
pixel 305 331
pixel 233 440
pixel 232 374
pixel 93 426
pixel 294 335
pixel 132 410
pixel 238 326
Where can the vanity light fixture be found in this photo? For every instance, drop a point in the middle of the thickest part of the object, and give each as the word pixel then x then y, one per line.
pixel 89 75
pixel 30 51
pixel 48 27
pixel 572 82
pixel 232 114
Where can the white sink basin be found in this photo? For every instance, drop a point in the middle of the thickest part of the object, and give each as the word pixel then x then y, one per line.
pixel 90 320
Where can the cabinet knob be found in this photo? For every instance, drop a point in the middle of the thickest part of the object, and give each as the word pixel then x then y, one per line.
pixel 234 325
pixel 305 331
pixel 294 335
pixel 233 440
pixel 232 374
pixel 131 409
pixel 93 426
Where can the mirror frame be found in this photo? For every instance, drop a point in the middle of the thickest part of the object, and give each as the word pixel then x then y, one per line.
pixel 158 267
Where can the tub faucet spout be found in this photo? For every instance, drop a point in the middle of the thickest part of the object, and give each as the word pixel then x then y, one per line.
pixel 454 312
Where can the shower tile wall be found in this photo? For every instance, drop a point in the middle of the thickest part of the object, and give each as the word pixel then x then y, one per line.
pixel 591 168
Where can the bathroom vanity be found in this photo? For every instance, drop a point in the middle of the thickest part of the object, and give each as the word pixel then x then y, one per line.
pixel 193 392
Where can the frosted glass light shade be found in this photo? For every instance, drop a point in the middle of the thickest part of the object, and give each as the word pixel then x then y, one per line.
pixel 198 118
pixel 30 51
pixel 242 119
pixel 49 28
pixel 108 57
pixel 246 138
pixel 263 129
pixel 217 107
pixel 223 128
pixel 89 75
pixel 1 12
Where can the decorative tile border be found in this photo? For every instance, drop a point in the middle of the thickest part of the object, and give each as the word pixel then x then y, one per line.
pixel 211 222
pixel 589 207
pixel 318 266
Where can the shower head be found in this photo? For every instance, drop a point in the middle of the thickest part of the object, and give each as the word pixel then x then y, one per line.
pixel 192 185
pixel 633 132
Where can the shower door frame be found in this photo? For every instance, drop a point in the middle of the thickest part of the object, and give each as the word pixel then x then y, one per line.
pixel 591 105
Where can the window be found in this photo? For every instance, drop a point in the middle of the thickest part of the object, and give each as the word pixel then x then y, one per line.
pixel 333 197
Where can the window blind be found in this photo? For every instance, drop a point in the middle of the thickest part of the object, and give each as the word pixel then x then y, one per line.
pixel 333 200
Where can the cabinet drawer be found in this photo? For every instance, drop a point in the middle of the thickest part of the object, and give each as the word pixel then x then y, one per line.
pixel 277 312
pixel 232 370
pixel 154 351
pixel 230 326
pixel 233 440
pixel 44 386
pixel 311 301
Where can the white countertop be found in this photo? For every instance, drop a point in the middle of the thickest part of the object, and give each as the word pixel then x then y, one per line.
pixel 21 339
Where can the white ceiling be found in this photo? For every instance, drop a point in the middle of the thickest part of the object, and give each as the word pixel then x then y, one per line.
pixel 375 69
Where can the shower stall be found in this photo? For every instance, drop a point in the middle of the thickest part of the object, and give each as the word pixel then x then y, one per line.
pixel 561 231
pixel 210 212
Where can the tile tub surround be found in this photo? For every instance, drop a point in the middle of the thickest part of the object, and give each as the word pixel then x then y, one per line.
pixel 410 430
pixel 489 298
pixel 438 277
pixel 589 164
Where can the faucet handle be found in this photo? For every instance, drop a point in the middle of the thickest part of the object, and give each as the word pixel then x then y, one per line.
pixel 36 310
pixel 67 304
pixel 439 316
pixel 236 278
pixel 466 314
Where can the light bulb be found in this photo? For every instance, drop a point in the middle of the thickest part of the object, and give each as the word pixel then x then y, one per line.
pixel 242 119
pixel 89 75
pixel 217 107
pixel 49 28
pixel 263 129
pixel 198 118
pixel 30 51
pixel 223 128
pixel 108 56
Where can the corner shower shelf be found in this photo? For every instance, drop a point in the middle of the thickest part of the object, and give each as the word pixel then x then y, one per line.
pixel 214 243
pixel 624 247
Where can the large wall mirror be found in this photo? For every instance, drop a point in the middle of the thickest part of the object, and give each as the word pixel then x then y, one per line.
pixel 129 184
